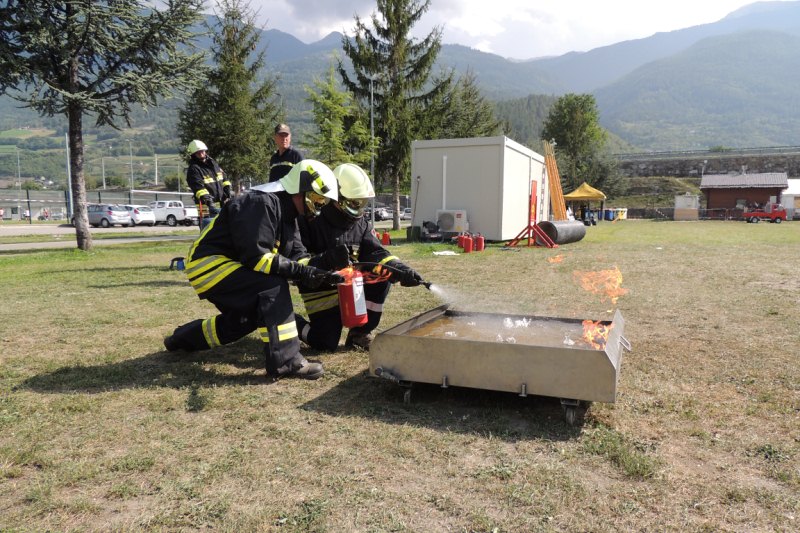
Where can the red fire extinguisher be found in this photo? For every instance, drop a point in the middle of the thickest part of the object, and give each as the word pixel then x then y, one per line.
pixel 460 240
pixel 386 239
pixel 467 243
pixel 479 243
pixel 352 302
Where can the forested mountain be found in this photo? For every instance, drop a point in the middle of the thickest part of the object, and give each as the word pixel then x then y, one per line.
pixel 732 83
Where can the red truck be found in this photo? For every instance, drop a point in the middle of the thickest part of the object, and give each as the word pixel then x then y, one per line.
pixel 772 212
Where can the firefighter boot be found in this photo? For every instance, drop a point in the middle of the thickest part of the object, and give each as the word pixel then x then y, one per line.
pixel 358 339
pixel 304 369
pixel 187 337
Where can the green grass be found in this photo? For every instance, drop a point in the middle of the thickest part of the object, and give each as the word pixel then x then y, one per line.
pixel 100 429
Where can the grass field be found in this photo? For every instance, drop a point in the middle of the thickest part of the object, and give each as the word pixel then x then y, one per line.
pixel 100 429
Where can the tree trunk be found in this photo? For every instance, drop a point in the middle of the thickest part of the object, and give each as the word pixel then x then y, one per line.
pixel 396 202
pixel 82 233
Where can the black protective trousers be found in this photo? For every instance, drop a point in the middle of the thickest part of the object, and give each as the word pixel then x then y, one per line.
pixel 248 300
pixel 324 328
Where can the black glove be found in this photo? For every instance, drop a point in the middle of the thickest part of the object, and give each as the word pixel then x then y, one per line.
pixel 313 278
pixel 403 273
pixel 207 200
pixel 338 257
pixel 226 193
pixel 309 276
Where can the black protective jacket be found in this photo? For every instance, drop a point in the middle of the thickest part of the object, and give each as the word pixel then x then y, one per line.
pixel 249 232
pixel 281 164
pixel 333 227
pixel 205 178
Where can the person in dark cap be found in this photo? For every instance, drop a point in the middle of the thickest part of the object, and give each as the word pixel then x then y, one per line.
pixel 285 157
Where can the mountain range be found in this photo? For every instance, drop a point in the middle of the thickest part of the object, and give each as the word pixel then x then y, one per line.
pixel 732 83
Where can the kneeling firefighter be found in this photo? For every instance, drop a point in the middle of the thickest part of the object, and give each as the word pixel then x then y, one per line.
pixel 342 225
pixel 243 260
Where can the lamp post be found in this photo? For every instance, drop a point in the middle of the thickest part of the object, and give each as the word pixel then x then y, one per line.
pixel 130 153
pixel 372 143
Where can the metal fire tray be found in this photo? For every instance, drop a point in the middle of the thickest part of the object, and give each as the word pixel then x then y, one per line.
pixel 544 356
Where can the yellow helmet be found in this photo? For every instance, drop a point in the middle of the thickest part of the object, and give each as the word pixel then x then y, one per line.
pixel 314 179
pixel 355 189
pixel 195 146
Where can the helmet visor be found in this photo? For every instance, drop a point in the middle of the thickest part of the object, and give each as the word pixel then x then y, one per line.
pixel 354 206
pixel 315 202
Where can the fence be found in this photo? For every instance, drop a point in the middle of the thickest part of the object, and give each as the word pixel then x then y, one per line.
pixel 17 204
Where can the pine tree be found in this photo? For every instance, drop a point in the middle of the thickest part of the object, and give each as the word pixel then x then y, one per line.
pixel 342 135
pixel 100 58
pixel 400 69
pixel 234 112
pixel 460 111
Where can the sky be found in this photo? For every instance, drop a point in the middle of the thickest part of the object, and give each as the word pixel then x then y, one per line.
pixel 517 29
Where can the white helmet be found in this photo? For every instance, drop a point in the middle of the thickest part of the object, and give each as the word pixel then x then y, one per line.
pixel 195 146
pixel 355 189
pixel 314 179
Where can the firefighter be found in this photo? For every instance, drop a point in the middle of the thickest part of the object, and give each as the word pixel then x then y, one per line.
pixel 243 260
pixel 285 155
pixel 343 222
pixel 207 181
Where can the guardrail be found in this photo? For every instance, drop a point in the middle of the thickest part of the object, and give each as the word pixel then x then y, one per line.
pixel 682 154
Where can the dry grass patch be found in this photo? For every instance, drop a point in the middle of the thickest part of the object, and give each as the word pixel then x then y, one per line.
pixel 100 429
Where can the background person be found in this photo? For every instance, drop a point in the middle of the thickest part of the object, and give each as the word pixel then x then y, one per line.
pixel 207 181
pixel 242 262
pixel 341 223
pixel 285 156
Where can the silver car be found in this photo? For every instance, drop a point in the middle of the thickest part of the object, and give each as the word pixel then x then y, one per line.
pixel 107 215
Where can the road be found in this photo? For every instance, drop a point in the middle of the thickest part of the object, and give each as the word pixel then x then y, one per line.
pixel 64 235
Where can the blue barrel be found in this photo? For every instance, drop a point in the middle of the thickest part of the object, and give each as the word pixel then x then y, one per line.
pixel 609 214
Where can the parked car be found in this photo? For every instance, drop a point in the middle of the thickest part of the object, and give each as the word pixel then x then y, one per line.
pixel 406 214
pixel 141 215
pixel 172 212
pixel 107 215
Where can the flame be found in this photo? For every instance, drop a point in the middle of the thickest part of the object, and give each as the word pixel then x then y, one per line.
pixel 596 333
pixel 556 258
pixel 606 283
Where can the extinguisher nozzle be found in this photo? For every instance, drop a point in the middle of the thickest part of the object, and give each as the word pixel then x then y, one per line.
pixel 426 284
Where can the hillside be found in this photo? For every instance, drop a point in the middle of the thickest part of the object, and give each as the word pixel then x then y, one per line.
pixel 733 90
pixel 727 83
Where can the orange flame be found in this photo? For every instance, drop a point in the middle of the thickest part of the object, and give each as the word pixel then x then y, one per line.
pixel 555 259
pixel 596 333
pixel 606 283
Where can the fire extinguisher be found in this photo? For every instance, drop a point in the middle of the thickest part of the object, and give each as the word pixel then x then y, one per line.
pixel 467 243
pixel 479 243
pixel 352 301
pixel 460 240
pixel 386 239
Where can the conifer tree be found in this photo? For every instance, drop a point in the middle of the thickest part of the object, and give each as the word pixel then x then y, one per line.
pixel 400 69
pixel 342 136
pixel 234 111
pixel 99 58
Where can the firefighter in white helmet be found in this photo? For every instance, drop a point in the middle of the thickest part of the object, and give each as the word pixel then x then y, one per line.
pixel 207 181
pixel 243 260
pixel 342 222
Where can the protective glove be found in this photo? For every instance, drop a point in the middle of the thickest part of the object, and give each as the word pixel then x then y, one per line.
pixel 407 276
pixel 226 193
pixel 309 276
pixel 207 200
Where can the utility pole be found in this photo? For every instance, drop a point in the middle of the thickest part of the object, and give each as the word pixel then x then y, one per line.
pixel 130 152
pixel 372 146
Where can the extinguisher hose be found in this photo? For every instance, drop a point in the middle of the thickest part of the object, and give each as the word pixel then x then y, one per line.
pixel 426 284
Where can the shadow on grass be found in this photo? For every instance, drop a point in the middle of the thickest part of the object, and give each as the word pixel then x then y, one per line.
pixel 160 369
pixel 181 282
pixel 455 409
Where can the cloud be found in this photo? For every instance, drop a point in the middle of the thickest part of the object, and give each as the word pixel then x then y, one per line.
pixel 511 28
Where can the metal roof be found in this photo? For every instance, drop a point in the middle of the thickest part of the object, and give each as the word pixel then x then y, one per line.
pixel 745 181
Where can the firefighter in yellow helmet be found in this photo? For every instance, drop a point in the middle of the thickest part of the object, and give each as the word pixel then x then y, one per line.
pixel 243 261
pixel 207 181
pixel 343 224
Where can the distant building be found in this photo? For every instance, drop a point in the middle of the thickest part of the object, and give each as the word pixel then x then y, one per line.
pixel 737 191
